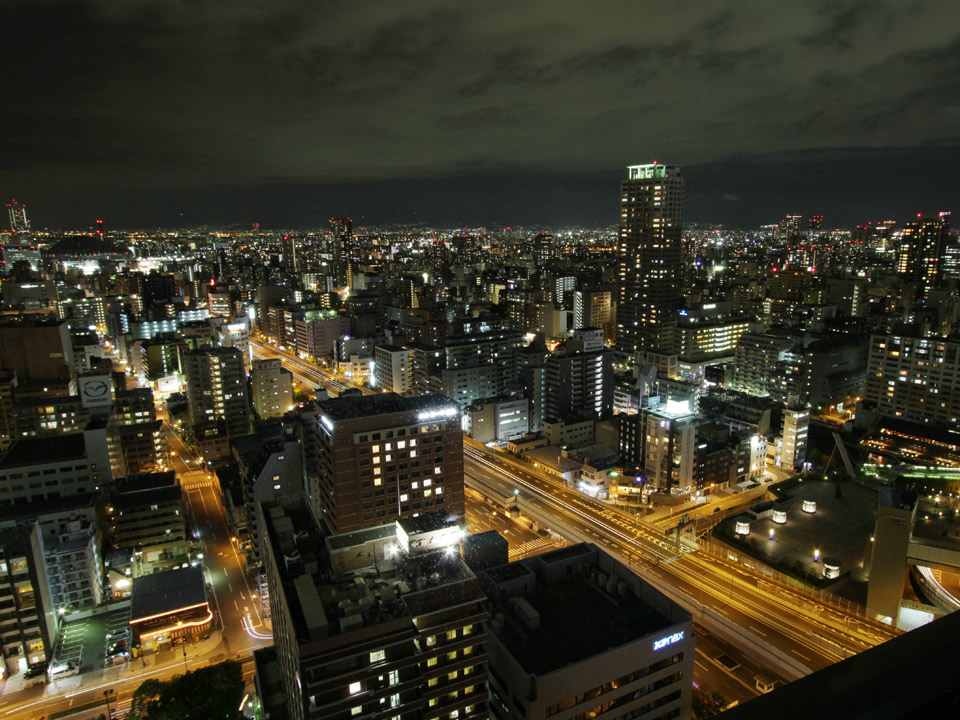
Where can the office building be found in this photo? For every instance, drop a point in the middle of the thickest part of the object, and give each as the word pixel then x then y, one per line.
pixel 217 388
pixel 36 350
pixel 384 457
pixel 383 622
pixel 46 468
pixel 12 254
pixel 912 377
pixel 148 517
pixel 578 635
pixel 272 388
pixel 650 257
pixel 497 419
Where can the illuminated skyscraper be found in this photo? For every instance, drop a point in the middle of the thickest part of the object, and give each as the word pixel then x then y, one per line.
pixel 650 257
pixel 18 217
pixel 341 230
pixel 920 252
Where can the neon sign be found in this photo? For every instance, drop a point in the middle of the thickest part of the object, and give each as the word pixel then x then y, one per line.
pixel 668 640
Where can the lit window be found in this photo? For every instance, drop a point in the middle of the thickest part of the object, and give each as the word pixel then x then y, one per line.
pixel 378 655
pixel 451 634
pixel 354 688
pixel 356 710
pixel 431 662
pixel 431 640
pixel 452 676
pixel 452 655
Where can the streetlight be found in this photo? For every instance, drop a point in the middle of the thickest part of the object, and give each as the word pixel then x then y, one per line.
pixel 106 696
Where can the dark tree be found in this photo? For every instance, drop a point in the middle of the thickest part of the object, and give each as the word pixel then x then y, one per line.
pixel 210 693
pixel 707 704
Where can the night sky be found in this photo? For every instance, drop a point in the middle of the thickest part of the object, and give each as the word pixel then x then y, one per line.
pixel 179 113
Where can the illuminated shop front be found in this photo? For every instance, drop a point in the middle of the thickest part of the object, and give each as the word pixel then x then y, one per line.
pixel 167 606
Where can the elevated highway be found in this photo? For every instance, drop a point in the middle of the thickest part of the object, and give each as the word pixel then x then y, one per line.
pixel 793 631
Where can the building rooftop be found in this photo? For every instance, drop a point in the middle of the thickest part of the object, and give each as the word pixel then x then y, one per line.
pixel 535 625
pixel 40 451
pixel 357 406
pixel 141 482
pixel 47 507
pixel 354 580
pixel 166 592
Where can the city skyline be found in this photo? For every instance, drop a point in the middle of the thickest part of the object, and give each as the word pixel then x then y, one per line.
pixel 286 116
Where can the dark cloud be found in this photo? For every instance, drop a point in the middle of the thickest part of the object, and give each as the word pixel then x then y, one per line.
pixel 122 105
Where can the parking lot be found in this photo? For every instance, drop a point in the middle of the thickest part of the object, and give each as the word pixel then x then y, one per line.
pixel 84 641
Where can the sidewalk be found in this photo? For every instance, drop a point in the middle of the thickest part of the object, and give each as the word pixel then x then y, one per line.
pixel 148 664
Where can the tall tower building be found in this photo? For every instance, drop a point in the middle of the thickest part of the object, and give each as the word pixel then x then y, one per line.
pixel 650 257
pixel 920 252
pixel 18 217
pixel 341 231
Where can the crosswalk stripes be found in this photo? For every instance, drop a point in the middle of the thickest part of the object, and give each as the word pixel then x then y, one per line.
pixel 529 547
pixel 194 485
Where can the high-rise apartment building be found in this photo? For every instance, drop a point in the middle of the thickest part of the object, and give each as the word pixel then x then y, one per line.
pixel 341 231
pixel 920 252
pixel 393 368
pixel 650 257
pixel 593 308
pixel 384 457
pixel 217 388
pixel 27 613
pixel 386 622
pixel 915 378
pixel 580 379
pixel 272 388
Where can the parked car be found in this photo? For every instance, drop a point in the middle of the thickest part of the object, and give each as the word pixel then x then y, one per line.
pixel 116 659
pixel 63 670
pixel 117 636
pixel 35 676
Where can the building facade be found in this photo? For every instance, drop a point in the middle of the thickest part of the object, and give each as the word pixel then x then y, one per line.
pixel 384 457
pixel 650 257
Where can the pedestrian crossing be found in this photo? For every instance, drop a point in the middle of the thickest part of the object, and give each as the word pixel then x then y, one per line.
pixel 202 484
pixel 531 547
